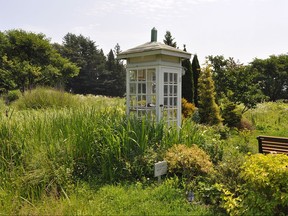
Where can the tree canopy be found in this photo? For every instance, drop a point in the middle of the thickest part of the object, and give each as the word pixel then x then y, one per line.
pixel 98 75
pixel 272 76
pixel 28 59
pixel 236 82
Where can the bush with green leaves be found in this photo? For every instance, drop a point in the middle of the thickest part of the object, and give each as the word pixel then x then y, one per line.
pixel 265 187
pixel 188 109
pixel 12 96
pixel 188 162
pixel 231 116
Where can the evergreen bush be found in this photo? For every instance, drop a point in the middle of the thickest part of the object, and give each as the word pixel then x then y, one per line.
pixel 208 109
pixel 188 109
pixel 231 116
pixel 188 162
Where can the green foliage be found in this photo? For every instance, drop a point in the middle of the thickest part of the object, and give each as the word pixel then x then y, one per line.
pixel 42 98
pixel 208 109
pixel 97 76
pixel 235 82
pixel 265 188
pixel 134 199
pixel 188 109
pixel 230 114
pixel 187 81
pixel 270 118
pixel 272 75
pixel 196 74
pixel 12 96
pixel 169 40
pixel 84 53
pixel 28 59
pixel 48 157
pixel 188 162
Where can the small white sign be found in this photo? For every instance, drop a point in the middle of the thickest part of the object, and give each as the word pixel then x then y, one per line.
pixel 160 168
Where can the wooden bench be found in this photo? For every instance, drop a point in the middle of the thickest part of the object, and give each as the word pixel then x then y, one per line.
pixel 270 144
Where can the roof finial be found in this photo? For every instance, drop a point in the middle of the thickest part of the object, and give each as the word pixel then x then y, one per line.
pixel 154 35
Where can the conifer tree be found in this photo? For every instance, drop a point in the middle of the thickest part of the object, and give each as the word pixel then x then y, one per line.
pixel 169 40
pixel 187 80
pixel 195 75
pixel 208 109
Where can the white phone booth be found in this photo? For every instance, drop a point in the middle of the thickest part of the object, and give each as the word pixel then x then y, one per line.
pixel 153 77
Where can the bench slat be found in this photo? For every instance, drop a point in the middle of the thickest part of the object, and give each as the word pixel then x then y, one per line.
pixel 275 150
pixel 269 144
pixel 274 145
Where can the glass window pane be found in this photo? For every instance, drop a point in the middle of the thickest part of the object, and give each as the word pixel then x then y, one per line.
pixel 139 88
pixel 175 90
pixel 171 77
pixel 171 101
pixel 175 101
pixel 170 90
pixel 165 77
pixel 141 75
pixel 133 75
pixel 153 100
pixel 175 77
pixel 165 90
pixel 153 88
pixel 151 75
pixel 132 88
pixel 165 101
pixel 144 88
pixel 133 101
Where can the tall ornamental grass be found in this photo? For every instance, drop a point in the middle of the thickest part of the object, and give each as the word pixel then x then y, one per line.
pixel 46 151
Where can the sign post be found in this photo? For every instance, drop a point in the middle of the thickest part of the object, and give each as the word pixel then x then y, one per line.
pixel 160 168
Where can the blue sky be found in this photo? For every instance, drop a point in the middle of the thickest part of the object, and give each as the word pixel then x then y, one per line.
pixel 243 29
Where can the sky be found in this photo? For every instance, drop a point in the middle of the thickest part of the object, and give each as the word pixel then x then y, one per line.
pixel 242 29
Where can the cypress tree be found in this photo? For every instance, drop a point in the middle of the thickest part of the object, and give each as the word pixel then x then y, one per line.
pixel 187 80
pixel 208 109
pixel 195 75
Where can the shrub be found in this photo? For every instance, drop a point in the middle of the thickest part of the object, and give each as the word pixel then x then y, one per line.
pixel 12 96
pixel 231 116
pixel 188 109
pixel 188 162
pixel 245 124
pixel 265 188
pixel 208 109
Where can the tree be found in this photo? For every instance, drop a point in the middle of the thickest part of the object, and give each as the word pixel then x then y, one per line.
pixel 169 40
pixel 187 80
pixel 219 75
pixel 195 74
pixel 84 53
pixel 116 76
pixel 272 76
pixel 208 109
pixel 235 82
pixel 120 73
pixel 28 59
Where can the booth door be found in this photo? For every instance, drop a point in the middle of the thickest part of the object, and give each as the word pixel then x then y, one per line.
pixel 171 97
pixel 141 92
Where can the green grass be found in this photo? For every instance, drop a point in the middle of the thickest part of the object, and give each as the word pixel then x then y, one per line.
pixel 132 199
pixel 56 148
